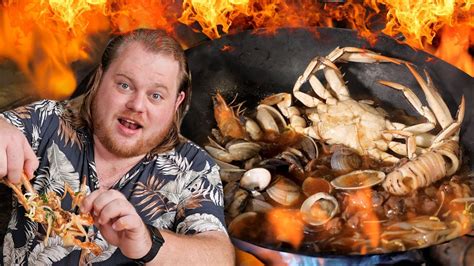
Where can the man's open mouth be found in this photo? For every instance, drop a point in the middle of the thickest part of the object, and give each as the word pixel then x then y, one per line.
pixel 129 124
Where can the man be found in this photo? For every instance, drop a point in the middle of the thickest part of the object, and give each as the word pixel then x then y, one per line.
pixel 123 137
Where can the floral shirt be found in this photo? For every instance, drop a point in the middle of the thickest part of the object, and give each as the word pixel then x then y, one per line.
pixel 179 190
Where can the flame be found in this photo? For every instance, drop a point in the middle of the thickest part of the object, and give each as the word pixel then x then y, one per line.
pixel 287 225
pixel 370 226
pixel 44 37
pixel 418 21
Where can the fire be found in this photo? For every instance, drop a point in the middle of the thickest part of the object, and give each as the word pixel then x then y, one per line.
pixel 370 225
pixel 287 225
pixel 44 37
pixel 418 21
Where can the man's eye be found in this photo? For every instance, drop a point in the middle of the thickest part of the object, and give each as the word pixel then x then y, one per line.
pixel 156 96
pixel 124 86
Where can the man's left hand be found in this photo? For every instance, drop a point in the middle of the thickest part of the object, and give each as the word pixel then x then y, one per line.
pixel 118 222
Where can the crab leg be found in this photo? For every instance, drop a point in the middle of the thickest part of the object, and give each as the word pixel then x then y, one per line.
pixel 17 189
pixel 410 143
pixel 433 98
pixel 416 103
pixel 452 129
pixel 354 54
pixel 335 80
pixel 383 156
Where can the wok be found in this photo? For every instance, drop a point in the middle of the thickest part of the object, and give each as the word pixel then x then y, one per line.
pixel 255 64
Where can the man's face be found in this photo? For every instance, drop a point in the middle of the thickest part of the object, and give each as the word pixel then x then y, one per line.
pixel 136 102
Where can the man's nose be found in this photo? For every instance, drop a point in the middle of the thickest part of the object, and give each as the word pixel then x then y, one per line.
pixel 137 102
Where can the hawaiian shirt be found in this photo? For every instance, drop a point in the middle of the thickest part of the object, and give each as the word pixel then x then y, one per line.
pixel 179 190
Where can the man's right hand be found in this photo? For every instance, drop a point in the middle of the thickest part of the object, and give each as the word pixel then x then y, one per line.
pixel 16 154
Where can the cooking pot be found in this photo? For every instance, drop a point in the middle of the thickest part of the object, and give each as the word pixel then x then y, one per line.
pixel 254 64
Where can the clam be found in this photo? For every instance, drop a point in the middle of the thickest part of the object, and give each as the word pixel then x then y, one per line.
pixel 231 174
pixel 229 193
pixel 252 162
pixel 270 119
pixel 358 179
pixel 256 179
pixel 219 154
pixel 284 191
pixel 258 205
pixel 241 150
pixel 313 185
pixel 253 129
pixel 238 203
pixel 319 208
pixel 308 147
pixel 345 160
pixel 242 222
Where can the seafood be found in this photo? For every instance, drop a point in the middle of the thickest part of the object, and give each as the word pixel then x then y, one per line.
pixel 226 118
pixel 256 179
pixel 358 179
pixel 319 208
pixel 46 209
pixel 424 170
pixel 358 124
pixel 284 191
pixel 350 176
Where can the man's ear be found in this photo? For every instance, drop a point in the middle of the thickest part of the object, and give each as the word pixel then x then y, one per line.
pixel 179 100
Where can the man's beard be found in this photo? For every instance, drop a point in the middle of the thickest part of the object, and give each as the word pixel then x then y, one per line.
pixel 140 147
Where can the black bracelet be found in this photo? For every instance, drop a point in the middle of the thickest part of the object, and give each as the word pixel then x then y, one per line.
pixel 156 243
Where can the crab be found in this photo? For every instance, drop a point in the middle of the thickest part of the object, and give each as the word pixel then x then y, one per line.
pixel 336 118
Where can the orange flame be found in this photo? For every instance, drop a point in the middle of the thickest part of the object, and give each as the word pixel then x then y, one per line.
pixel 287 225
pixel 45 37
pixel 362 202
pixel 419 21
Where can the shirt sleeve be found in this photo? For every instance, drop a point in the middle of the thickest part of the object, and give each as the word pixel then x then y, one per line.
pixel 35 120
pixel 202 206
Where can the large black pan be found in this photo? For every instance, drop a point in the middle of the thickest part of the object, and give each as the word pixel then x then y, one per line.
pixel 253 65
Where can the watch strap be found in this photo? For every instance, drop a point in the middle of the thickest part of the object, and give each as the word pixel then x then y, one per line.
pixel 156 243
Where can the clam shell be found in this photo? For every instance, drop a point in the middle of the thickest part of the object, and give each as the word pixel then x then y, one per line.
pixel 240 222
pixel 270 119
pixel 284 191
pixel 231 174
pixel 253 129
pixel 257 205
pixel 319 208
pixel 256 179
pixel 229 193
pixel 219 154
pixel 313 185
pixel 239 202
pixel 241 150
pixel 358 179
pixel 345 160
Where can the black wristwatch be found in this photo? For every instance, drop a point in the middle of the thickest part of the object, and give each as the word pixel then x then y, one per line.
pixel 156 243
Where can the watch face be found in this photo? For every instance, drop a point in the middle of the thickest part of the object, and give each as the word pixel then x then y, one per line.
pixel 156 235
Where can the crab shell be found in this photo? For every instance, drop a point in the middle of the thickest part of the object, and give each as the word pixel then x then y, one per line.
pixel 319 208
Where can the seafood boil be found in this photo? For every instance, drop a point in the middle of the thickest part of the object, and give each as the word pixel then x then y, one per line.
pixel 354 179
pixel 46 209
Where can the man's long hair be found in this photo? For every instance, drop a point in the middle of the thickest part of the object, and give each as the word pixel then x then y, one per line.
pixel 155 41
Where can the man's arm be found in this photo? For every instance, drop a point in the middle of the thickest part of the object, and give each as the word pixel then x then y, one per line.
pixel 121 226
pixel 207 248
